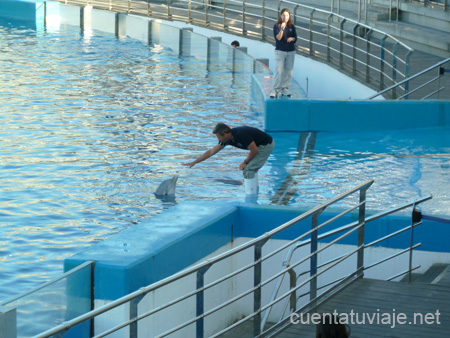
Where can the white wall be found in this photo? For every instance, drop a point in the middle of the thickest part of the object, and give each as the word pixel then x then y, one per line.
pixel 213 297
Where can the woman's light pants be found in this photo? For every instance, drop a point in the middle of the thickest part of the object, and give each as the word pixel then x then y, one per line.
pixel 284 70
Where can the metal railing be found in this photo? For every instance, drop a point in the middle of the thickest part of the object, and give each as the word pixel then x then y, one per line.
pixel 257 282
pixel 373 57
pixel 415 221
pixel 438 69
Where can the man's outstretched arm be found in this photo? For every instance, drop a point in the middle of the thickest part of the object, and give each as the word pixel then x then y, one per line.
pixel 207 154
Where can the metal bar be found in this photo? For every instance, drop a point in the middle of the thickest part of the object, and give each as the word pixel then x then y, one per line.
pixel 410 78
pixel 403 273
pixel 391 256
pixel 341 44
pixel 431 94
pixel 313 260
pixel 329 20
pixel 361 221
pixel 257 285
pixel 394 71
pixel 354 49
pixel 311 37
pixel 382 61
pixel 200 300
pixel 411 242
pixel 368 45
pixel 44 285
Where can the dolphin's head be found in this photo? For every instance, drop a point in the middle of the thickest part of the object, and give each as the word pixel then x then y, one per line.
pixel 167 187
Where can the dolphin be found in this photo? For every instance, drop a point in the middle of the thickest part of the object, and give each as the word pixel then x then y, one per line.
pixel 167 187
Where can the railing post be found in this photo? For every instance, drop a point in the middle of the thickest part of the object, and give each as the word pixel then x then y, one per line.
pixel 190 11
pixel 313 260
pixel 382 60
pixel 361 230
pixel 257 273
pixel 206 14
pixel 292 285
pixel 329 20
pixel 92 295
pixel 225 26
pixel 369 33
pixel 263 21
pixel 200 301
pixel 354 49
pixel 407 58
pixel 244 31
pixel 341 44
pixel 394 69
pixel 169 5
pixel 311 32
pixel 416 217
pixel 133 314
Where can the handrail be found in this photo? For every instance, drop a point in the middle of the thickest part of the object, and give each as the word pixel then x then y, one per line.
pixel 407 80
pixel 254 20
pixel 252 243
pixel 339 230
pixel 258 243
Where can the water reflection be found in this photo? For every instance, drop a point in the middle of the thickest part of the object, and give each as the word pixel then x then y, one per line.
pixel 90 127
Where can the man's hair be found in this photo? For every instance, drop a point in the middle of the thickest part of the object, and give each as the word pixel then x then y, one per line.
pixel 235 43
pixel 221 128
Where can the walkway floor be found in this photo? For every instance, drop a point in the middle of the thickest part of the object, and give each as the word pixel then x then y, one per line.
pixel 397 310
pixel 376 308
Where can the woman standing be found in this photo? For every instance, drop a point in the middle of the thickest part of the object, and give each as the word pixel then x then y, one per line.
pixel 285 38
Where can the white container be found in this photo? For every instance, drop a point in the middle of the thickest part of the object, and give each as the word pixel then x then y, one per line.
pixel 251 185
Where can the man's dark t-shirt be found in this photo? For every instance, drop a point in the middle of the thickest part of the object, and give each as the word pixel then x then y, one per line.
pixel 245 135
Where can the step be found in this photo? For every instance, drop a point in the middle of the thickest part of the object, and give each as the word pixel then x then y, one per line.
pixel 438 273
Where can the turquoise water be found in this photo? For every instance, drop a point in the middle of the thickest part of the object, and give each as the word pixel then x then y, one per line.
pixel 92 125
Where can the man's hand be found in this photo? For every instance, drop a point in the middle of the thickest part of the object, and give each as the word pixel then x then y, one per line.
pixel 189 164
pixel 242 166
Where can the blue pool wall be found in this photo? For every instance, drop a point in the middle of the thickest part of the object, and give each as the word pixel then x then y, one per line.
pixel 186 233
pixel 298 114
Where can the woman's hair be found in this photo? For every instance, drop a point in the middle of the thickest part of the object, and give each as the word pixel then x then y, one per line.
pixel 280 20
pixel 331 327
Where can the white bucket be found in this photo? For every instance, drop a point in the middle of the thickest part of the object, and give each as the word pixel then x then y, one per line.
pixel 251 185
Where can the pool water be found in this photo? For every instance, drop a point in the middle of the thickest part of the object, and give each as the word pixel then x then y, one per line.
pixel 91 125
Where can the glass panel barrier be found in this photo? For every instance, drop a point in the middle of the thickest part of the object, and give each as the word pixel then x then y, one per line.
pixel 54 302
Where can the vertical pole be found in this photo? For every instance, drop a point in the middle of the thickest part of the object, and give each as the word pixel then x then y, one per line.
pixel 341 44
pixel 329 20
pixel 225 26
pixel 263 21
pixel 200 301
pixel 244 30
pixel 407 58
pixel 311 15
pixel 369 33
pixel 355 31
pixel 257 273
pixel 394 69
pixel 416 217
pixel 361 222
pixel 313 261
pixel 382 59
pixel 92 291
